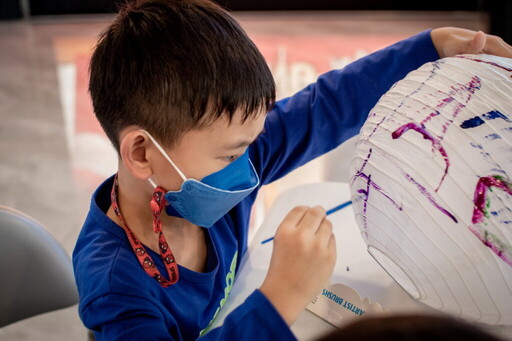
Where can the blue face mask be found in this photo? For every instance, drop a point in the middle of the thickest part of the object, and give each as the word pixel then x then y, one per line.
pixel 205 202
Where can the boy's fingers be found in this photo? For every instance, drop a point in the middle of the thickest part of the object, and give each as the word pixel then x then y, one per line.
pixel 294 217
pixel 450 41
pixel 312 219
pixel 325 230
pixel 498 47
pixel 332 245
pixel 477 43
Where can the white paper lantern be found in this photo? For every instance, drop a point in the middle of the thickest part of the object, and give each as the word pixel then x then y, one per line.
pixel 432 189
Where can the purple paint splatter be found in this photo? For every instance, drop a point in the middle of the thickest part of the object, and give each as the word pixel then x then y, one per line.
pixel 468 89
pixel 429 196
pixel 371 183
pixel 379 189
pixel 365 203
pixel 364 164
pixel 436 144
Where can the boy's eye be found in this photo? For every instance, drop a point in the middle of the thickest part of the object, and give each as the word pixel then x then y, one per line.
pixel 231 158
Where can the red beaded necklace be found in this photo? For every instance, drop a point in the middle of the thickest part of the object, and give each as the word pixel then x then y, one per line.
pixel 157 204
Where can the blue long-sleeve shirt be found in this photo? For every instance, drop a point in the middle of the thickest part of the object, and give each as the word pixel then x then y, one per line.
pixel 119 301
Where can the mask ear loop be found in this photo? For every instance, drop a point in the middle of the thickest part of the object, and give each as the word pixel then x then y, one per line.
pixel 152 183
pixel 165 155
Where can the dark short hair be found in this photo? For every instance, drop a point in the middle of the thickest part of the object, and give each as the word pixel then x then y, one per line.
pixel 410 327
pixel 170 66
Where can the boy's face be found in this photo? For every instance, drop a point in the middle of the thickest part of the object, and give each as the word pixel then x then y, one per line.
pixel 207 150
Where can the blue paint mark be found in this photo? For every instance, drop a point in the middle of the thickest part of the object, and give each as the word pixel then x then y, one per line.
pixel 477 120
pixel 491 115
pixel 493 136
pixel 494 213
pixel 472 122
pixel 497 170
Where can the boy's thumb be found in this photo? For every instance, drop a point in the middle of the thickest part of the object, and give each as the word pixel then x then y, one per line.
pixel 477 43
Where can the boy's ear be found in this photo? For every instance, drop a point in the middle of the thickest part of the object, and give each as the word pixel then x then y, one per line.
pixel 133 148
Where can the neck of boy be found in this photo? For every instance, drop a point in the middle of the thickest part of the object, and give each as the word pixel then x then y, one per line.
pixel 187 241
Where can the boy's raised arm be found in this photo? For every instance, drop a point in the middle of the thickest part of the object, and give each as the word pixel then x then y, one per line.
pixel 326 113
pixel 332 110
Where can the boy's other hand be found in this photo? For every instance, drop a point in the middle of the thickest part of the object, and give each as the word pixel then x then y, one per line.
pixel 451 41
pixel 302 261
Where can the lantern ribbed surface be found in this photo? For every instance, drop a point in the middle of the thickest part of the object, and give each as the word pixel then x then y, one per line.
pixel 431 187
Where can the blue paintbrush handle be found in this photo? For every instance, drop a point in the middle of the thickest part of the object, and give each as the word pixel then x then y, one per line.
pixel 331 211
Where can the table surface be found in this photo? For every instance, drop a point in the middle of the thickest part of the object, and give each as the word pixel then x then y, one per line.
pixel 364 274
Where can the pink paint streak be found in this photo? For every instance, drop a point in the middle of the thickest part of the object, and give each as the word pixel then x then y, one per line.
pixel 480 196
pixel 502 250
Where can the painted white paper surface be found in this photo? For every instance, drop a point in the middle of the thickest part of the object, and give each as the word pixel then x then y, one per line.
pixel 431 186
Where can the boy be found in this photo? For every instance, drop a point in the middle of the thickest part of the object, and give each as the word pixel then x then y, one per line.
pixel 183 95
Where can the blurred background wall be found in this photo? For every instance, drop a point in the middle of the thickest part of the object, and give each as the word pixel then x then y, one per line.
pixel 500 11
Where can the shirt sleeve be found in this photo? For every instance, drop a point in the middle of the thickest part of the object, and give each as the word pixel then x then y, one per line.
pixel 326 113
pixel 119 317
pixel 116 317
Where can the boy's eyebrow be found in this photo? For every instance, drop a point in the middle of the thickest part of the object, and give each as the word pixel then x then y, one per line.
pixel 243 143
